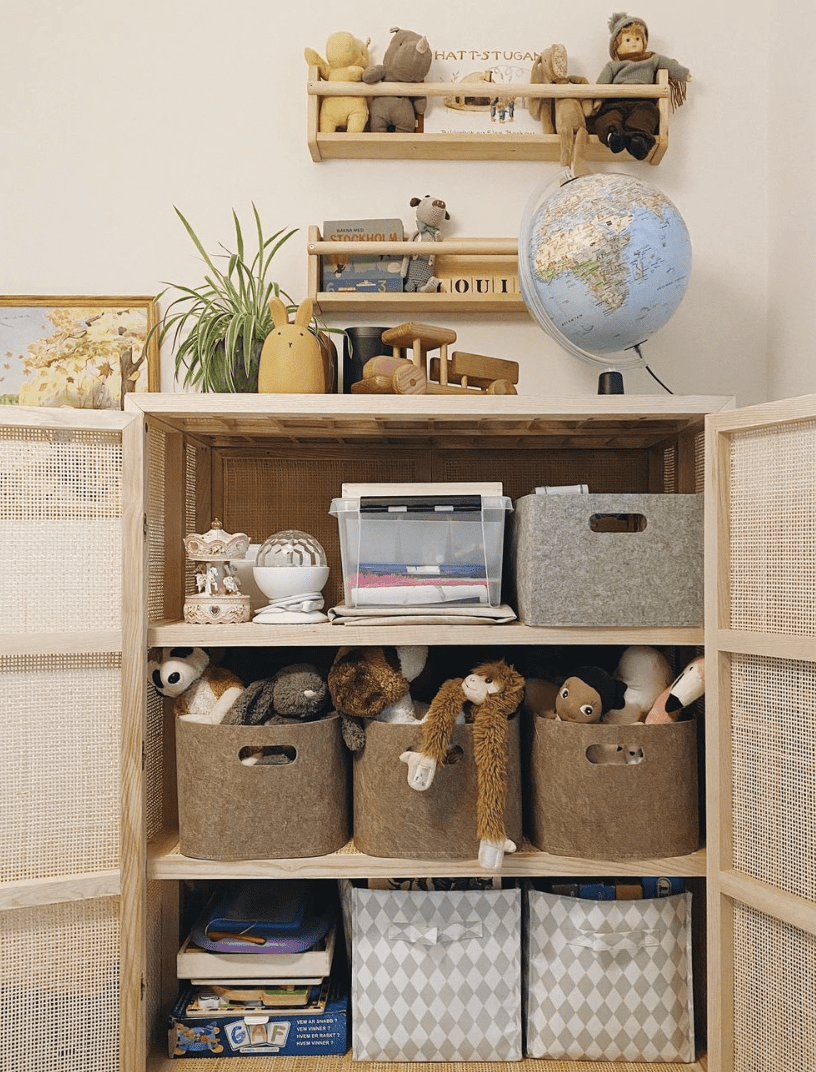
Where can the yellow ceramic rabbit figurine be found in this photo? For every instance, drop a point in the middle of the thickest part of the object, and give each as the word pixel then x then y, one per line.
pixel 292 361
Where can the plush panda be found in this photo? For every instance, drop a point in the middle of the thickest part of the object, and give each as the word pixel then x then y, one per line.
pixel 202 693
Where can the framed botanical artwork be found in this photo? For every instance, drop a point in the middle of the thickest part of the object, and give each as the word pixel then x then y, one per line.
pixel 84 352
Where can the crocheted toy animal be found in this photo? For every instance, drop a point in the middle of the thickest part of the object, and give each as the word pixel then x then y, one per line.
pixel 202 692
pixel 346 59
pixel 417 268
pixel 407 59
pixel 486 698
pixel 632 123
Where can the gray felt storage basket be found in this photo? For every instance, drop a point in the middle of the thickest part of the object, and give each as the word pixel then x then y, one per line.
pixel 393 820
pixel 231 811
pixel 564 571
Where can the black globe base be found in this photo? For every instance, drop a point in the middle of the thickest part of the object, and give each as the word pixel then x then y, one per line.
pixel 610 383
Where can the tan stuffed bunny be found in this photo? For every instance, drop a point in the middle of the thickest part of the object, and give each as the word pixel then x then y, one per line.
pixel 292 361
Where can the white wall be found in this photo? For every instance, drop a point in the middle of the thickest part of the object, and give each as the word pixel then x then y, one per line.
pixel 792 221
pixel 115 112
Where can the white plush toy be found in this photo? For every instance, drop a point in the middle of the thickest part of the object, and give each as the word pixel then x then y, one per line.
pixel 202 693
pixel 688 686
pixel 646 672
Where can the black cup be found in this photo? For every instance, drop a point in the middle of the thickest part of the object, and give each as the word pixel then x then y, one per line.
pixel 360 344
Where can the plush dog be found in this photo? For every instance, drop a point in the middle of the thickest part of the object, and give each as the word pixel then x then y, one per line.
pixel 487 698
pixel 374 682
pixel 202 692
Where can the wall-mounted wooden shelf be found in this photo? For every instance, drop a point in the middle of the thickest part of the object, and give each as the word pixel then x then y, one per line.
pixel 456 146
pixel 464 257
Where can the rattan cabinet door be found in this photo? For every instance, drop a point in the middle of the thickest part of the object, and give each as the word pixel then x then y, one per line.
pixel 71 869
pixel 761 736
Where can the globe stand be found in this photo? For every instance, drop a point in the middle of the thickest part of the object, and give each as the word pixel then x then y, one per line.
pixel 610 383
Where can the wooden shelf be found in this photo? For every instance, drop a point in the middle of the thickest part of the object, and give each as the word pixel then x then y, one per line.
pixel 432 146
pixel 166 862
pixel 519 422
pixel 249 635
pixel 461 257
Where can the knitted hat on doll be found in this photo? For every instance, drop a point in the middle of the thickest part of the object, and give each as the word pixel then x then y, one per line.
pixel 618 21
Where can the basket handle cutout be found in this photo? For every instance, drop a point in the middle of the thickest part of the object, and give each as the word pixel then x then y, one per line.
pixel 617 523
pixel 278 755
pixel 615 755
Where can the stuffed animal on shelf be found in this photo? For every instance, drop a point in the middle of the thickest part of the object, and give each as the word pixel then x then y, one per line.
pixel 407 59
pixel 292 361
pixel 645 672
pixel 588 695
pixel 346 59
pixel 417 268
pixel 564 116
pixel 687 687
pixel 374 683
pixel 486 698
pixel 631 123
pixel 202 692
pixel 296 693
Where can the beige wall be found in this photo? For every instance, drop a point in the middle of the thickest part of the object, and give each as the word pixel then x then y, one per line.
pixel 115 112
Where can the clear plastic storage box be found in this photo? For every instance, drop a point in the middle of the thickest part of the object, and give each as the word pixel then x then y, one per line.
pixel 420 546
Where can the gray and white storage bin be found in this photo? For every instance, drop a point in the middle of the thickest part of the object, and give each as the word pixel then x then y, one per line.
pixel 606 560
pixel 608 980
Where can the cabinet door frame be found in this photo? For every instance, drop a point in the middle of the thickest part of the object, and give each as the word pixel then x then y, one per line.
pixel 729 642
pixel 127 881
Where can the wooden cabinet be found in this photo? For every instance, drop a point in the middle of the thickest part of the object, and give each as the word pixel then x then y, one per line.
pixel 131 485
pixel 439 146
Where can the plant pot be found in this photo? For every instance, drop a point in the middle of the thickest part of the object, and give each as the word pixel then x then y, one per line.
pixel 243 382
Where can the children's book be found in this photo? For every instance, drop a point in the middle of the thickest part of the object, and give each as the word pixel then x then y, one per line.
pixel 357 271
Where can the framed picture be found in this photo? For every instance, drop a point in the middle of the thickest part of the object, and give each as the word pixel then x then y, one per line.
pixel 84 352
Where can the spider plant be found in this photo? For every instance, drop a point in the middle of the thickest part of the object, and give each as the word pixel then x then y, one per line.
pixel 217 329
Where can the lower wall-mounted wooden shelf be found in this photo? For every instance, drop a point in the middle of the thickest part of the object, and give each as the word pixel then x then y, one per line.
pixel 470 146
pixel 480 276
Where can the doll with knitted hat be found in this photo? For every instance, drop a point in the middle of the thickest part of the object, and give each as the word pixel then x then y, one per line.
pixel 632 123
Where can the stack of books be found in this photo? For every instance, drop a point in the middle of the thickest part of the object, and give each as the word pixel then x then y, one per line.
pixel 256 972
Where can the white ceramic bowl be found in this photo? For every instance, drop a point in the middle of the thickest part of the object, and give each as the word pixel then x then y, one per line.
pixel 279 582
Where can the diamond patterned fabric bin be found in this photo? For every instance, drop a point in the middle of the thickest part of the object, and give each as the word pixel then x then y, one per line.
pixel 436 975
pixel 608 980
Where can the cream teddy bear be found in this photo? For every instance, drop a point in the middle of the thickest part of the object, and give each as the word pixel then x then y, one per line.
pixel 346 59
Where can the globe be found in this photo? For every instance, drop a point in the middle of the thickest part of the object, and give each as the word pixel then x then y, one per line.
pixel 604 263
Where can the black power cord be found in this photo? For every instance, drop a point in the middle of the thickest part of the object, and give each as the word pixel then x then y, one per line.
pixel 636 348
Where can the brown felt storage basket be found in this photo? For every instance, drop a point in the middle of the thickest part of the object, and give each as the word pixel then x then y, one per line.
pixel 231 811
pixel 393 820
pixel 563 572
pixel 596 810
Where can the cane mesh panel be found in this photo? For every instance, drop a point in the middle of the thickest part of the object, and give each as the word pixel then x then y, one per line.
pixel 60 518
pixel 154 763
pixel 265 494
pixel 59 754
pixel 773 530
pixel 59 997
pixel 156 451
pixel 522 471
pixel 774 984
pixel 774 771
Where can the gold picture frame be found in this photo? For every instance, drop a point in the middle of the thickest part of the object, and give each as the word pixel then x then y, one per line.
pixel 81 351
